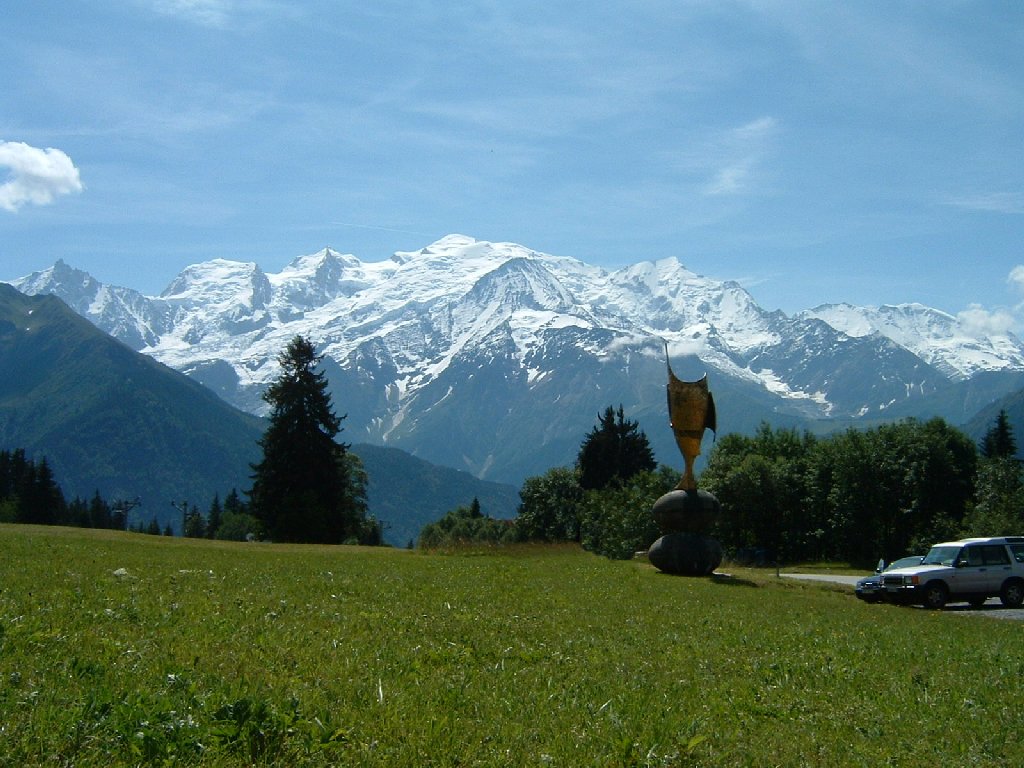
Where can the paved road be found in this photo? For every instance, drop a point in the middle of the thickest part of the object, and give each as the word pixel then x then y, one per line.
pixel 992 609
pixel 851 580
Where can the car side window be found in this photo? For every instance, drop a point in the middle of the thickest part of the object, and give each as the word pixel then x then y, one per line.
pixel 1018 552
pixel 995 554
pixel 973 556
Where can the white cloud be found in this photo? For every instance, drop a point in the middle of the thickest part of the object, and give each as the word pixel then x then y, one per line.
pixel 978 321
pixel 654 346
pixel 688 347
pixel 35 175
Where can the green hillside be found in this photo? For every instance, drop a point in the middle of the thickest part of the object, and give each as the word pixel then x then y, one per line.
pixel 109 419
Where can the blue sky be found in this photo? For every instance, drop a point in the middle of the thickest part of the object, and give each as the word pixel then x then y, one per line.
pixel 870 152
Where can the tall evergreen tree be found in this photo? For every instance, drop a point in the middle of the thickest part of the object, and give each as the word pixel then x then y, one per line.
pixel 999 442
pixel 1000 484
pixel 614 451
pixel 233 503
pixel 213 517
pixel 100 515
pixel 193 524
pixel 303 489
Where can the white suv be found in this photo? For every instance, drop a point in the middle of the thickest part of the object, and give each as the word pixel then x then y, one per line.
pixel 970 570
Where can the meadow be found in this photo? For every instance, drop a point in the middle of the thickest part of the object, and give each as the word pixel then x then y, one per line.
pixel 126 649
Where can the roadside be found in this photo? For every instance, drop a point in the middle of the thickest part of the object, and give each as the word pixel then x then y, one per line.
pixel 834 578
pixel 992 608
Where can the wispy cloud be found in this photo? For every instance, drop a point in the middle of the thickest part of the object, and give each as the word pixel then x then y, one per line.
pixel 738 155
pixel 222 14
pixel 375 227
pixel 37 176
pixel 993 202
pixel 1016 278
pixel 210 13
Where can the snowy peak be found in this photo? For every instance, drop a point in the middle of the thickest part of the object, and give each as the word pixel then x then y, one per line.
pixel 220 285
pixel 668 299
pixel 122 312
pixel 459 283
pixel 936 337
pixel 71 281
pixel 520 283
pixel 314 280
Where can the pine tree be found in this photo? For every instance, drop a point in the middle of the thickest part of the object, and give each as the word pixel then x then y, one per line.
pixel 614 451
pixel 233 503
pixel 213 517
pixel 999 442
pixel 193 525
pixel 78 513
pixel 303 489
pixel 100 515
pixel 31 490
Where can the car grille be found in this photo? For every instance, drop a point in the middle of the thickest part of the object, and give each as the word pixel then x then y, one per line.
pixel 892 581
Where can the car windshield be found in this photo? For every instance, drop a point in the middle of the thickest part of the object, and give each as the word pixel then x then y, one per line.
pixel 941 556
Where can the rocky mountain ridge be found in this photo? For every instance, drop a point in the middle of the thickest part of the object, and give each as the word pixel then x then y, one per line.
pixel 495 358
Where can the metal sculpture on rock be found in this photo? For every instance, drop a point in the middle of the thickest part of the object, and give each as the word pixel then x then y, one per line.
pixel 686 514
pixel 691 410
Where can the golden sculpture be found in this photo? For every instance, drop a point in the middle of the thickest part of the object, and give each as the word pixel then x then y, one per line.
pixel 691 410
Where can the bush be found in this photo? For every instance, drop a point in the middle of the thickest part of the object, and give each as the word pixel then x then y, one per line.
pixel 466 525
pixel 236 526
pixel 617 522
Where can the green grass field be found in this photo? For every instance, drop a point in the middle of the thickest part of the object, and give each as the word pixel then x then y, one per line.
pixel 120 649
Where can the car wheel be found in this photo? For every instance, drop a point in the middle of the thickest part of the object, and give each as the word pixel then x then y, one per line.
pixel 934 595
pixel 977 602
pixel 1012 593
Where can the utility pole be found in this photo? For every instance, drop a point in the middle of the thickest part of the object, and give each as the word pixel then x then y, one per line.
pixel 183 508
pixel 122 508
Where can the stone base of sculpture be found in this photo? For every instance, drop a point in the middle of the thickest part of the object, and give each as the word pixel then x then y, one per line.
pixel 685 554
pixel 685 518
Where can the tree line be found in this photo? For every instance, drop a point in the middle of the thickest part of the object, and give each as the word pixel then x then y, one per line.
pixel 787 496
pixel 603 502
pixel 30 494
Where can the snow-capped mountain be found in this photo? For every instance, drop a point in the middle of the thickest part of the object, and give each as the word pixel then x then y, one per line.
pixel 936 337
pixel 496 358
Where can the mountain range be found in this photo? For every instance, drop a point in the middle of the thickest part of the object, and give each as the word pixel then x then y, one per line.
pixel 497 359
